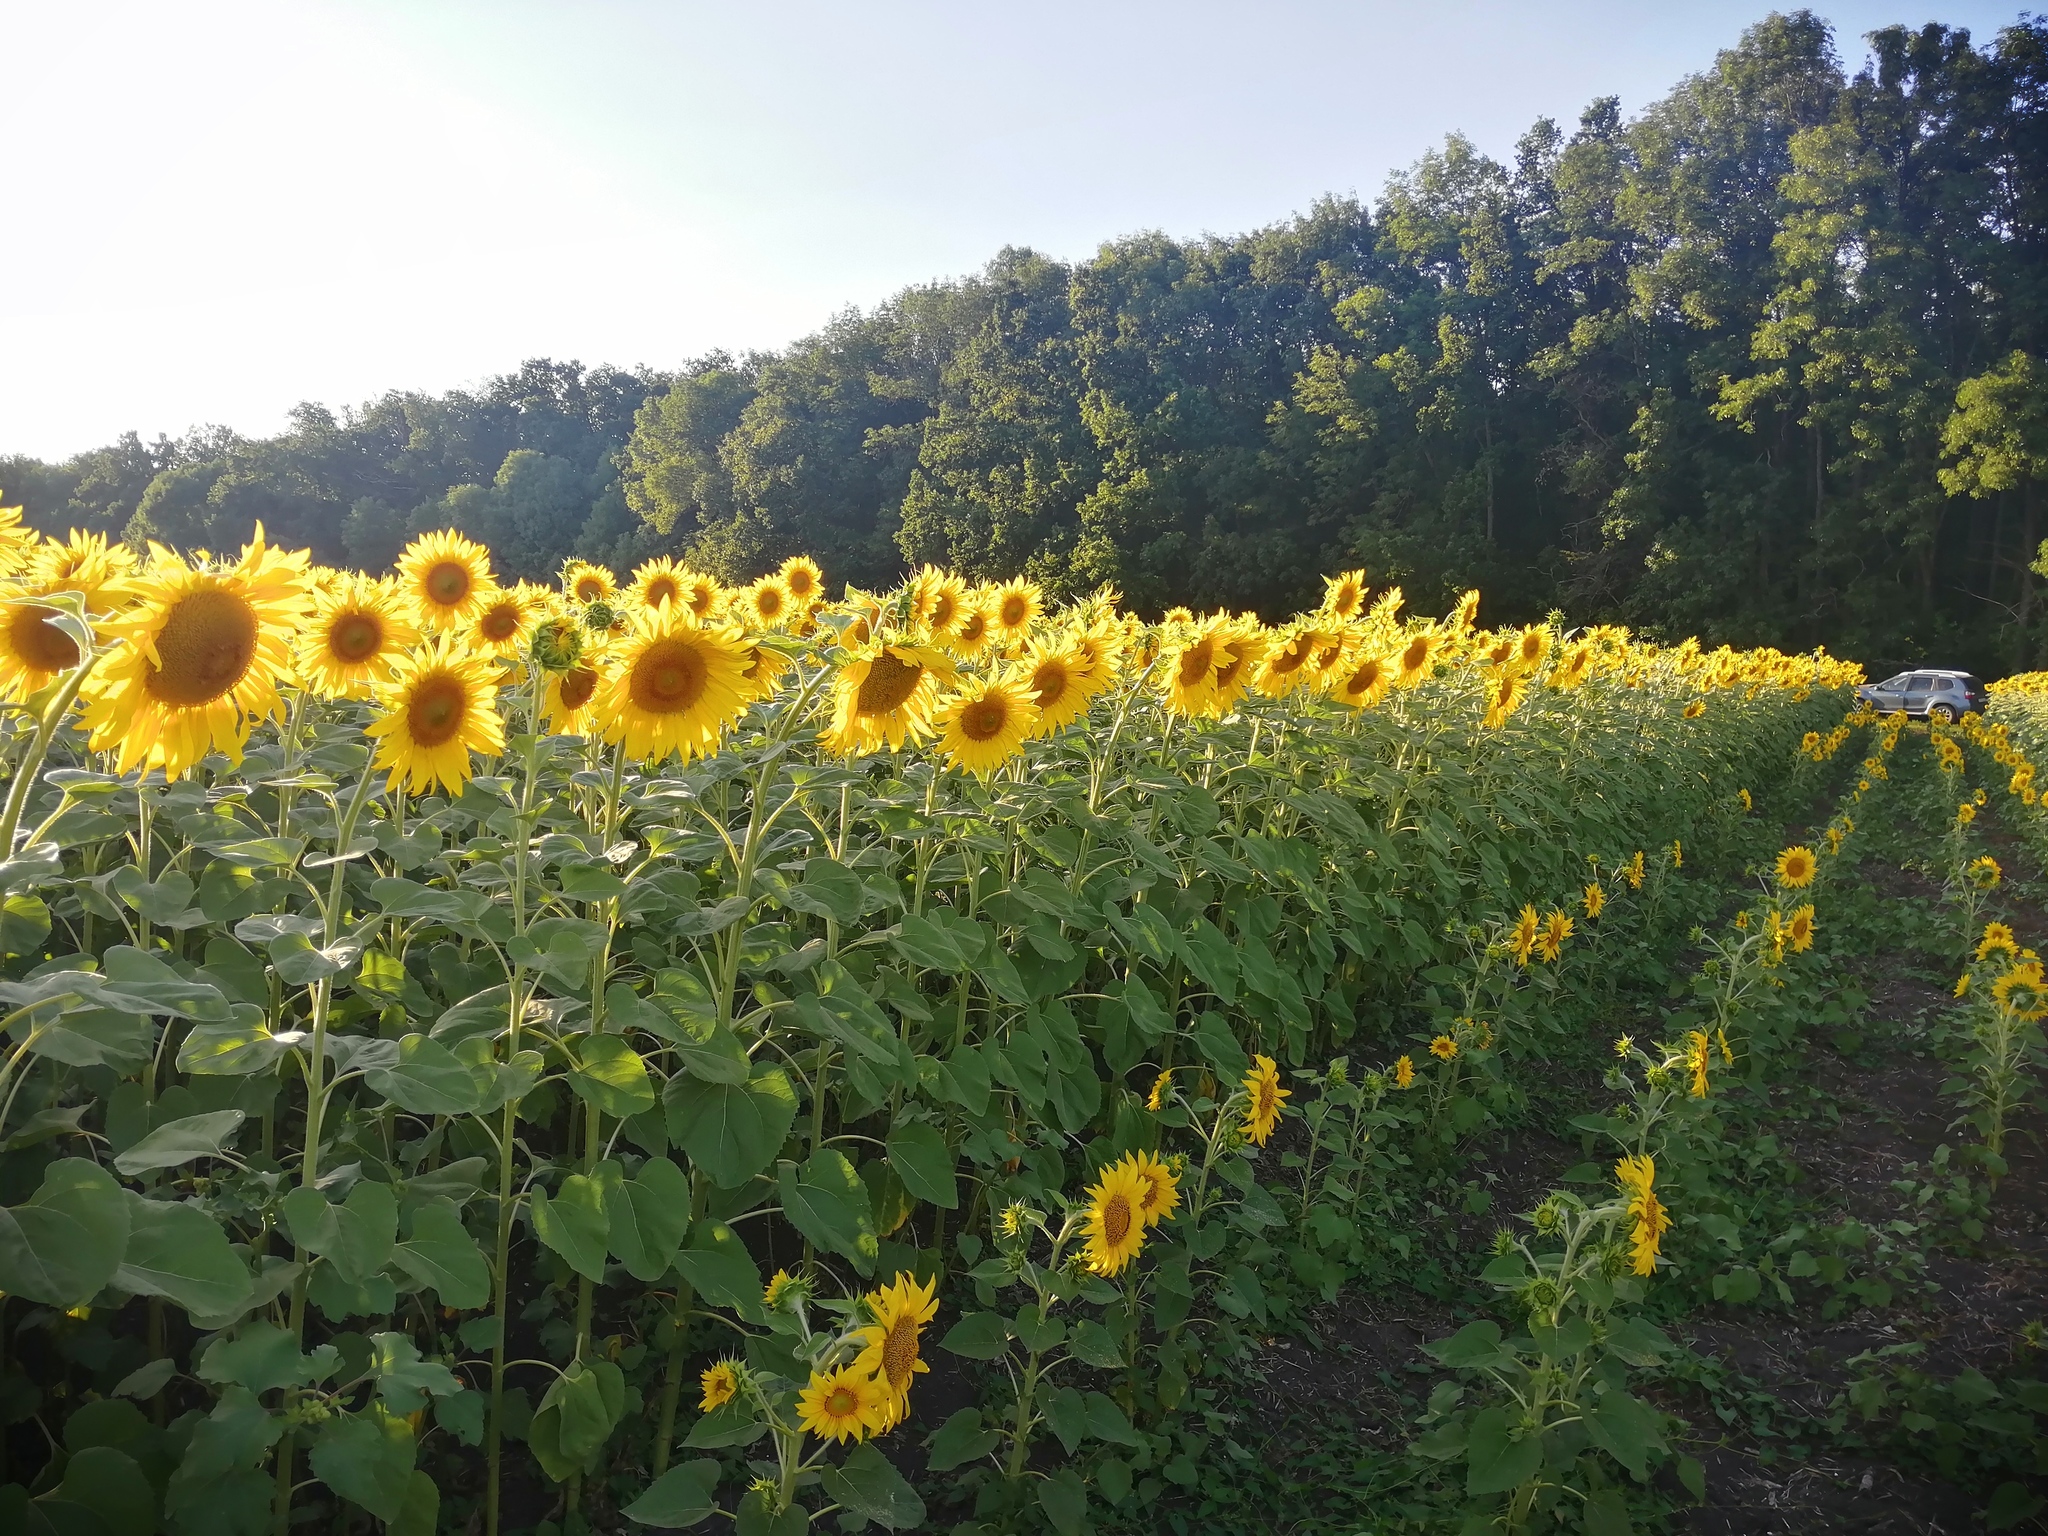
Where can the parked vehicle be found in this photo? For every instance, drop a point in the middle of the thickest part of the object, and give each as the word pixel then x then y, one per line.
pixel 1928 693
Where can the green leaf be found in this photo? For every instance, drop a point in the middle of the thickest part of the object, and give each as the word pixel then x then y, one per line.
pixel 367 1458
pixel 721 1269
pixel 578 1414
pixel 573 1224
pixel 180 1253
pixel 420 1515
pixel 240 1049
pixel 178 1142
pixel 731 1423
pixel 355 1236
pixel 24 924
pixel 408 898
pixel 1064 1498
pixel 66 1242
pixel 487 1013
pixel 1473 1345
pixel 1495 1463
pixel 1066 1415
pixel 1106 1421
pixel 867 1485
pixel 647 1217
pixel 961 1439
pixel 826 1201
pixel 702 1046
pixel 731 1131
pixel 978 1336
pixel 559 947
pixel 404 1380
pixel 113 1487
pixel 1627 1428
pixel 924 1163
pixel 611 1076
pixel 441 1255
pixel 261 1357
pixel 1213 958
pixel 1095 1345
pixel 681 1497
pixel 923 941
pixel 426 1079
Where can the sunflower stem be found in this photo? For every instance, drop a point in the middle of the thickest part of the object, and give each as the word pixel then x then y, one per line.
pixel 38 748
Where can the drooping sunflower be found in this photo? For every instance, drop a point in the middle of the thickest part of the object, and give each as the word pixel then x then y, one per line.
pixel 884 695
pixel 1523 940
pixel 1416 658
pixel 1161 1086
pixel 447 579
pixel 986 723
pixel 569 705
pixel 1556 929
pixel 1637 1176
pixel 765 665
pixel 2023 991
pixel 721 1385
pixel 938 601
pixel 1238 662
pixel 1162 1191
pixel 505 627
pixel 765 604
pixel 659 582
pixel 1057 676
pixel 1633 871
pixel 1115 1230
pixel 197 657
pixel 33 650
pixel 1285 666
pixel 1505 695
pixel 360 629
pixel 440 706
pixel 803 580
pixel 842 1404
pixel 1799 929
pixel 586 583
pixel 674 687
pixel 1344 595
pixel 17 542
pixel 1998 940
pixel 1697 1061
pixel 783 1288
pixel 1014 608
pixel 1404 1072
pixel 1595 900
pixel 889 1345
pixel 1797 867
pixel 1263 1096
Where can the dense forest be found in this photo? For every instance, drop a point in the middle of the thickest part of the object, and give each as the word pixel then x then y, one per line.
pixel 1759 363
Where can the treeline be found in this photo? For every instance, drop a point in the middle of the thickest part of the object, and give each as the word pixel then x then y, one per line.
pixel 1757 364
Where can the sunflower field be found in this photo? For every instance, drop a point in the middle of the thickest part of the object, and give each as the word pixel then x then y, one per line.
pixel 644 1053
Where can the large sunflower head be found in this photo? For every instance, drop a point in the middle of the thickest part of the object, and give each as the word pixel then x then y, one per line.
pixel 1364 681
pixel 197 657
pixel 1263 1095
pixel 1504 696
pixel 505 626
pixel 33 649
pixel 569 702
pixel 84 563
pixel 1237 664
pixel 1197 653
pixel 884 695
pixel 1287 664
pixel 360 627
pixel 2022 991
pixel 1058 676
pixel 447 578
pixel 973 634
pixel 842 1404
pixel 764 604
pixel 1161 1197
pixel 1416 658
pixel 938 602
pixel 1797 867
pixel 584 583
pixel 1799 929
pixel 1344 595
pixel 440 705
pixel 1014 608
pixel 674 686
pixel 658 582
pixel 804 581
pixel 986 723
pixel 889 1346
pixel 1115 1223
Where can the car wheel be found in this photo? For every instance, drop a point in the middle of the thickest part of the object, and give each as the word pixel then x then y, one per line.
pixel 1945 713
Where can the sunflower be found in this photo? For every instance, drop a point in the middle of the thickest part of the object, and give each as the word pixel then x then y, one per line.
pixel 1416 658
pixel 1162 1191
pixel 1748 804
pixel 1523 941
pixel 1505 696
pixel 1573 669
pixel 2023 991
pixel 1632 871
pixel 33 650
pixel 1799 929
pixel 1962 987
pixel 1695 709
pixel 1444 1048
pixel 1344 594
pixel 1796 867
pixel 197 658
pixel 1404 1072
pixel 1556 929
pixel 1057 677
pixel 842 1404
pixel 1983 872
pixel 885 694
pixel 1191 663
pixel 1532 647
pixel 16 541
pixel 569 705
pixel 440 705
pixel 1160 1087
pixel 764 604
pixel 505 627
pixel 1677 853
pixel 986 723
pixel 585 583
pixel 1238 662
pixel 1595 900
pixel 1697 1060
pixel 973 633
pixel 721 1385
pixel 1285 666
pixel 803 581
pixel 1013 609
pixel 359 630
pixel 1637 1175
pixel 1115 1229
pixel 1263 1094
pixel 889 1345
pixel 938 601
pixel 674 687
pixel 659 582
pixel 765 665
pixel 446 578
pixel 1461 617
pixel 1998 940
pixel 784 1288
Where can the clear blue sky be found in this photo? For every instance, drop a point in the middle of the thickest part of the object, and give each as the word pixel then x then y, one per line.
pixel 219 209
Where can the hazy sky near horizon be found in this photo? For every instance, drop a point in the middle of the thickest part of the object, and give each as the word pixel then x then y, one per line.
pixel 225 207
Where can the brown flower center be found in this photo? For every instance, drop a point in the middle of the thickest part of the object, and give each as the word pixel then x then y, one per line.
pixel 1016 608
pixel 984 719
pixel 1050 682
pixel 205 647
pixel 663 589
pixel 589 588
pixel 38 642
pixel 1196 661
pixel 355 637
pixel 973 628
pixel 1116 1219
pixel 888 686
pixel 768 603
pixel 500 623
pixel 842 1402
pixel 577 687
pixel 669 677
pixel 1416 654
pixel 448 583
pixel 899 1353
pixel 435 712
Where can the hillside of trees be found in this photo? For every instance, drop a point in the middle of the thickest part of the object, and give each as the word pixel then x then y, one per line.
pixel 1760 363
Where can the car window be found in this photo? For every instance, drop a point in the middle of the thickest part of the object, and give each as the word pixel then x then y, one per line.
pixel 1921 680
pixel 1894 683
pixel 1969 682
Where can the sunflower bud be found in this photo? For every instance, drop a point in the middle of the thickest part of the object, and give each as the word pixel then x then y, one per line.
pixel 1540 1294
pixel 557 645
pixel 601 618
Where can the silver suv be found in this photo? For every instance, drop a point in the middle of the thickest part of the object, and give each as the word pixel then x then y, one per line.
pixel 1935 695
